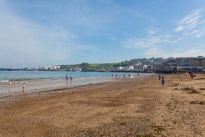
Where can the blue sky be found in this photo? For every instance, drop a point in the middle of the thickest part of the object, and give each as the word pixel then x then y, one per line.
pixel 49 32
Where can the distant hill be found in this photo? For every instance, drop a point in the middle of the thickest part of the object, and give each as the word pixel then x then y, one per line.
pixel 110 66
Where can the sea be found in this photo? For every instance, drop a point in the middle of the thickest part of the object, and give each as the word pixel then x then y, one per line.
pixel 45 80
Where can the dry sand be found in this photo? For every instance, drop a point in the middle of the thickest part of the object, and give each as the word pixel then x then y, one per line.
pixel 130 107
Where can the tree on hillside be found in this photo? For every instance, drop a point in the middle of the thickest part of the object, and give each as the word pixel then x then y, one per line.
pixel 84 66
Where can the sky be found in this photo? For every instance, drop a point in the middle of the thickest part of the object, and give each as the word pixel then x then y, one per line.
pixel 37 33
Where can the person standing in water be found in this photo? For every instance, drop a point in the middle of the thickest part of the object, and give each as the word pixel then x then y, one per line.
pixel 24 88
pixel 115 76
pixel 9 85
pixel 66 77
pixel 71 78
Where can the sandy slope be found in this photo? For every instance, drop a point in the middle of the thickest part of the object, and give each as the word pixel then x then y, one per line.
pixel 127 108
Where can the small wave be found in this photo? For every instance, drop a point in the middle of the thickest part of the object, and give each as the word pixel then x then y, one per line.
pixel 3 81
pixel 80 78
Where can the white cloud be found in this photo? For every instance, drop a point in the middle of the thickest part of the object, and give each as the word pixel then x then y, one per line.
pixel 24 43
pixel 192 24
pixel 141 43
pixel 151 32
pixel 156 52
pixel 150 42
pixel 190 21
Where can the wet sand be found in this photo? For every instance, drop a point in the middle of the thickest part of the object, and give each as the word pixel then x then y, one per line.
pixel 130 107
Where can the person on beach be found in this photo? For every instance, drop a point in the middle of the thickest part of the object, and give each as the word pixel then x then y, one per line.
pixel 129 75
pixel 163 81
pixel 124 76
pixel 192 76
pixel 71 78
pixel 115 76
pixel 186 74
pixel 66 77
pixel 24 87
pixel 159 77
pixel 112 76
pixel 9 85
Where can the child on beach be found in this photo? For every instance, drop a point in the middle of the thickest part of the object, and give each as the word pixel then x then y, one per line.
pixel 192 76
pixel 9 85
pixel 24 87
pixel 163 81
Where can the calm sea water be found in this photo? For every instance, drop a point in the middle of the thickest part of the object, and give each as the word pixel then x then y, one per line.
pixel 42 80
pixel 35 75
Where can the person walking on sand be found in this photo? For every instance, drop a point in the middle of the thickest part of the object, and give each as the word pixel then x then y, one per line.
pixel 112 76
pixel 159 77
pixel 163 81
pixel 115 76
pixel 24 88
pixel 124 76
pixel 129 75
pixel 9 85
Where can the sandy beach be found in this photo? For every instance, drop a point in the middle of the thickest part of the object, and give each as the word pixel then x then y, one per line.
pixel 131 107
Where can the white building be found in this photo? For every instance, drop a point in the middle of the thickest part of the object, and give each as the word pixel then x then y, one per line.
pixel 131 67
pixel 119 68
pixel 145 66
pixel 128 68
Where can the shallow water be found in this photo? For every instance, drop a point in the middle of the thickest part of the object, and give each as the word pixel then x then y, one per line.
pixel 42 80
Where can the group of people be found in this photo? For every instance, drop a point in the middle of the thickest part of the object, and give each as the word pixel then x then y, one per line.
pixel 24 84
pixel 162 80
pixel 23 88
pixel 124 76
pixel 71 78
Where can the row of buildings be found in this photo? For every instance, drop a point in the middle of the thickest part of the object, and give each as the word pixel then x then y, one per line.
pixel 194 64
pixel 191 63
pixel 135 67
pixel 166 66
pixel 45 68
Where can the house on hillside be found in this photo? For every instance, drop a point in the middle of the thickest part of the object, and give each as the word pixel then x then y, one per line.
pixel 128 68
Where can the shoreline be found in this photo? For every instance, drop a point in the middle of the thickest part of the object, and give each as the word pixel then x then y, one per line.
pixel 63 89
pixel 39 85
pixel 131 107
